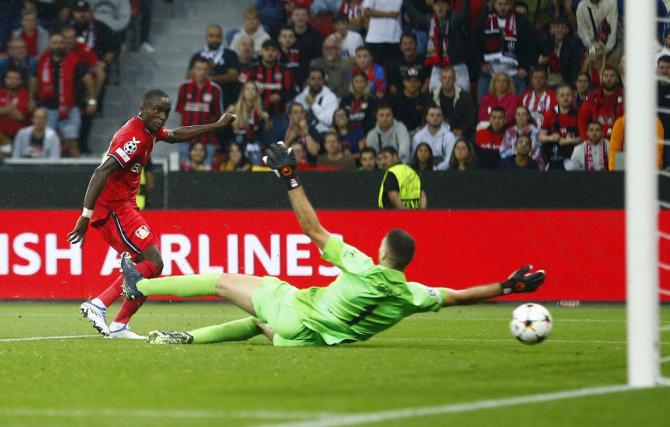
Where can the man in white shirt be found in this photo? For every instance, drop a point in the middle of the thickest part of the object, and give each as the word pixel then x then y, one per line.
pixel 591 155
pixel 319 101
pixel 253 29
pixel 349 40
pixel 438 136
pixel 597 21
pixel 384 28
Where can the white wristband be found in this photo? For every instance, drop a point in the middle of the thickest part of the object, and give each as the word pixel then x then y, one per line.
pixel 87 213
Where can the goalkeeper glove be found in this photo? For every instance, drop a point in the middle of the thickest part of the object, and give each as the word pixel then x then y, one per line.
pixel 282 161
pixel 523 281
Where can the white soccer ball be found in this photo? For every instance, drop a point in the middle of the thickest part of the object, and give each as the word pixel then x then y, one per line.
pixel 531 323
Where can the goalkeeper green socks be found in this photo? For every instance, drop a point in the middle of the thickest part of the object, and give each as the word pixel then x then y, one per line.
pixel 237 330
pixel 198 285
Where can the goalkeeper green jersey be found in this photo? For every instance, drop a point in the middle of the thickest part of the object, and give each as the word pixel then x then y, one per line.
pixel 364 300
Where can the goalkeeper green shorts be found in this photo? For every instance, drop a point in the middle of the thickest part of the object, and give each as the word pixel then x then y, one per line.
pixel 273 303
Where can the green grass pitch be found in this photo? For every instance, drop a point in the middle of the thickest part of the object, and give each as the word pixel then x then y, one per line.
pixel 460 355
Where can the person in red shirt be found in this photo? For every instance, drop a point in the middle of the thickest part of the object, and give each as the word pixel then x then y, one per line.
pixel 603 105
pixel 110 206
pixel 13 110
pixel 488 140
pixel 500 94
pixel 538 98
pixel 36 37
pixel 560 130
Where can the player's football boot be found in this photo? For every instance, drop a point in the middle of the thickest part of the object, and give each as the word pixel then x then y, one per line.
pixel 169 337
pixel 96 315
pixel 130 278
pixel 523 281
pixel 124 333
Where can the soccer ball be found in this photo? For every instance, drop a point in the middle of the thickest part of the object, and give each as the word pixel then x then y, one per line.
pixel 531 323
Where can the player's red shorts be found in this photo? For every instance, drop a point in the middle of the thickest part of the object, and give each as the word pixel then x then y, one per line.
pixel 126 230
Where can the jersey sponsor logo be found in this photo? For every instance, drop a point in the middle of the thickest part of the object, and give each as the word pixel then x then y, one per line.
pixel 119 151
pixel 131 146
pixel 431 292
pixel 137 168
pixel 142 232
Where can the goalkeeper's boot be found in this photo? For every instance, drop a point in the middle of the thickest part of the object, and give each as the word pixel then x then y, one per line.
pixel 169 337
pixel 522 281
pixel 96 315
pixel 121 331
pixel 130 278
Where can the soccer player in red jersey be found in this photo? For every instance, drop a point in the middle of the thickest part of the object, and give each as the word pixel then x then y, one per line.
pixel 109 203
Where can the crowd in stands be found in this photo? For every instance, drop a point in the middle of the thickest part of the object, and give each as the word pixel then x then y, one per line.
pixel 449 84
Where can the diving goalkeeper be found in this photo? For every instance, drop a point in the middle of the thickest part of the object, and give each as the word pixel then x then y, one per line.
pixel 365 299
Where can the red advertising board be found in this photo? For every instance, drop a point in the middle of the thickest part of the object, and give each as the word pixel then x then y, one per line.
pixel 581 250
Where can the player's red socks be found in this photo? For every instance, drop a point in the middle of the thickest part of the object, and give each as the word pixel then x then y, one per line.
pixel 113 292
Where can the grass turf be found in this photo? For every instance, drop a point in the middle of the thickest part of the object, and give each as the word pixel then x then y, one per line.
pixel 459 355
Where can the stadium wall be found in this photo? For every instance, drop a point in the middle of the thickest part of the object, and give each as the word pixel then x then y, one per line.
pixel 581 250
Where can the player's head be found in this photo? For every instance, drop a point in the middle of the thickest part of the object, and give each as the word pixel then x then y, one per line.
pixel 214 36
pixel 397 249
pixel 155 109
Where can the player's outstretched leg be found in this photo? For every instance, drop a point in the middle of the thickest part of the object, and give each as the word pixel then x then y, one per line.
pixel 96 315
pixel 237 330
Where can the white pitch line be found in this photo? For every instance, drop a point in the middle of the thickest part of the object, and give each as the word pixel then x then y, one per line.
pixel 376 417
pixel 58 337
pixel 160 413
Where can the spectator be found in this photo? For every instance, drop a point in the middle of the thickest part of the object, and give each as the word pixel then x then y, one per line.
pixel 561 54
pixel 353 10
pixel 489 140
pixel 319 101
pixel 349 40
pixel 384 29
pixel 237 161
pixel 417 19
pixel 140 25
pixel 501 94
pixel 401 186
pixel 352 139
pixel 409 58
pixel 521 159
pixel 35 37
pixel 360 104
pixel 252 28
pixel 582 88
pixel 456 104
pixel 308 40
pixel 539 98
pixel 251 122
pixel 560 130
pixel 224 66
pixel 60 74
pixel 539 12
pixel 617 142
pixel 300 157
pixel 462 156
pixel 116 15
pixel 299 131
pixel 336 68
pixel 590 155
pixel 597 22
pixel 197 158
pixel 523 125
pixel 410 105
pixel 448 41
pixel 275 84
pixel 438 136
pixel 565 10
pixel 18 59
pixel 503 38
pixel 595 62
pixel 335 156
pixel 290 57
pixel 423 160
pixel 38 140
pixel 375 72
pixel 604 104
pixel 389 133
pixel 200 101
pixel 13 110
pixel 663 100
pixel 272 16
pixel 368 160
pixel 245 52
pixel 97 35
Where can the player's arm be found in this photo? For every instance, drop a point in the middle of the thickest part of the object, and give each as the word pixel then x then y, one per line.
pixel 185 133
pixel 95 187
pixel 283 163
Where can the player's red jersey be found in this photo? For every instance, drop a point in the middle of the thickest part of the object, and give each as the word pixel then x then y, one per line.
pixel 131 146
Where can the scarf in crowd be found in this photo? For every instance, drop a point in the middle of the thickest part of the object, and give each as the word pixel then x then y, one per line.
pixel 213 55
pixel 438 42
pixel 588 156
pixel 88 36
pixel 500 45
pixel 47 85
